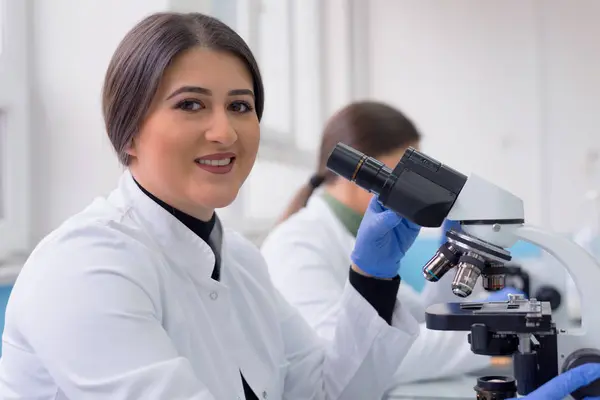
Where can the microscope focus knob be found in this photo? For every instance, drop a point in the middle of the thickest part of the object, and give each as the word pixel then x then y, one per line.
pixel 580 357
pixel 550 295
pixel 479 338
pixel 484 342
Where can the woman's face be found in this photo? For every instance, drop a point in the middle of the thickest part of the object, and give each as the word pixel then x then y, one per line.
pixel 199 141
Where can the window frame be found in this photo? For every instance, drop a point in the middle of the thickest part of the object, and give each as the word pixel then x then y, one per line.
pixel 15 177
pixel 276 145
pixel 283 147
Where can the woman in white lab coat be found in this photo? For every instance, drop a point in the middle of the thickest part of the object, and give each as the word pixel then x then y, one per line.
pixel 310 250
pixel 143 295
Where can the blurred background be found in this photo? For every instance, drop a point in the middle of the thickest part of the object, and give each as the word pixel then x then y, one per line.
pixel 508 89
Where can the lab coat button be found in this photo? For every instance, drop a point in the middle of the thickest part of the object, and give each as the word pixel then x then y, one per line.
pixel 264 394
pixel 214 295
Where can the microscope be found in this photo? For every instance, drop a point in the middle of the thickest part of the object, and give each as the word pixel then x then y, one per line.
pixel 426 192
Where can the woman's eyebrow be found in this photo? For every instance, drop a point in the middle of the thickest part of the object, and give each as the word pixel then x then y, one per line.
pixel 208 92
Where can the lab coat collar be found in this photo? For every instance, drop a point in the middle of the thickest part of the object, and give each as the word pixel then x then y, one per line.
pixel 347 216
pixel 178 242
pixel 316 204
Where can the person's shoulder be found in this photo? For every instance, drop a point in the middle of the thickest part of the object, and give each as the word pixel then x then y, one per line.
pixel 240 246
pixel 95 254
pixel 101 236
pixel 308 226
pixel 245 254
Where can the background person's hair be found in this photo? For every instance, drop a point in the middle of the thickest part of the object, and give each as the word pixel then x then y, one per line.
pixel 373 128
pixel 137 66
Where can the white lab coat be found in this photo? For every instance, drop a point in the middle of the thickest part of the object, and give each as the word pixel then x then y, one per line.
pixel 308 257
pixel 118 303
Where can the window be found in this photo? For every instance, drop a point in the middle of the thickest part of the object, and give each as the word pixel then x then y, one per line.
pixel 266 26
pixel 291 41
pixel 1 25
pixel 14 145
pixel 274 49
pixel 285 38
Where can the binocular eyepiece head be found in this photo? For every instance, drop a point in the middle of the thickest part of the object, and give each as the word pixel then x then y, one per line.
pixel 419 188
pixel 423 190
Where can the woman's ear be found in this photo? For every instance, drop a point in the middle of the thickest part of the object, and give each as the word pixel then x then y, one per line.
pixel 130 149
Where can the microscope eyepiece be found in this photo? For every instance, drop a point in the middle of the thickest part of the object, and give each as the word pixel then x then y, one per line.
pixel 344 161
pixel 367 172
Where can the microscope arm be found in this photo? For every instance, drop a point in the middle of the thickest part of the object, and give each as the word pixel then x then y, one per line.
pixel 585 271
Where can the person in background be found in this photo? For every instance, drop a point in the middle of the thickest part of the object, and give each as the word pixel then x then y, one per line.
pixel 317 237
pixel 310 249
pixel 144 295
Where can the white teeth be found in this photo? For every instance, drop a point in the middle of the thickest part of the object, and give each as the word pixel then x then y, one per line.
pixel 216 163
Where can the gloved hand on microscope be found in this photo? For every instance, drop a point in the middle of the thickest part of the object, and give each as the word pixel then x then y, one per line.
pixel 566 383
pixel 501 295
pixel 383 239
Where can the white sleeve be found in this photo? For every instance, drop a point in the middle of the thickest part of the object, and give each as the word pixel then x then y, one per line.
pixel 355 353
pixel 309 284
pixel 410 298
pixel 360 360
pixel 96 331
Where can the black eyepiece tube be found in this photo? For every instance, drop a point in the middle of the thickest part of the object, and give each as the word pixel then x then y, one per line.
pixel 365 171
pixel 419 188
pixel 344 160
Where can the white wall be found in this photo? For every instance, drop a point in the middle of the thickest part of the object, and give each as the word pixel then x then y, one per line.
pixel 497 87
pixel 466 73
pixel 507 89
pixel 14 129
pixel 571 99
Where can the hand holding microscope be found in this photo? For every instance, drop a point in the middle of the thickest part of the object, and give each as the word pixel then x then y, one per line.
pixel 426 192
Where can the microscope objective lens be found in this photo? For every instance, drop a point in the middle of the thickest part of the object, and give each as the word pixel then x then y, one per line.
pixel 465 279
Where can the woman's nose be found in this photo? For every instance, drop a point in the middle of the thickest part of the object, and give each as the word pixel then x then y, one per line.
pixel 221 131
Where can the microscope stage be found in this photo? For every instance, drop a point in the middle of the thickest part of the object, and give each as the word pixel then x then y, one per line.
pixel 526 316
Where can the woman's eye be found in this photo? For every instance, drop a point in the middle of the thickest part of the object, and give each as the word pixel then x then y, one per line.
pixel 189 105
pixel 240 107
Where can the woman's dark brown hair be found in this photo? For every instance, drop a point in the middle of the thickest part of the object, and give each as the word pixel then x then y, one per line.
pixel 138 64
pixel 373 128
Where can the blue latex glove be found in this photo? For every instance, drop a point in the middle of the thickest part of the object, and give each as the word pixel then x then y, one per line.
pixel 382 240
pixel 446 226
pixel 566 383
pixel 502 295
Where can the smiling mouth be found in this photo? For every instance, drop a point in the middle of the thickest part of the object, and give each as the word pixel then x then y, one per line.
pixel 216 163
pixel 218 166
